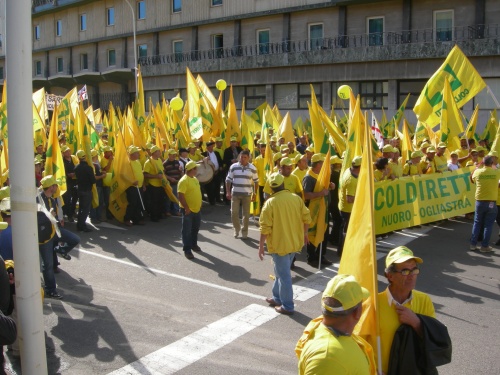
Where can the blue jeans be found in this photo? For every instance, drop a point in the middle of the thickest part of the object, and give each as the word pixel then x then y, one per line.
pixel 47 263
pixel 95 213
pixel 282 287
pixel 484 216
pixel 69 239
pixel 190 228
pixel 172 207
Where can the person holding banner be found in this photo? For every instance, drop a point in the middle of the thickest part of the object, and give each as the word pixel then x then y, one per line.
pixel 328 344
pixel 487 185
pixel 309 183
pixel 284 224
pixel 134 213
pixel 440 162
pixel 400 302
pixel 347 193
pixel 153 172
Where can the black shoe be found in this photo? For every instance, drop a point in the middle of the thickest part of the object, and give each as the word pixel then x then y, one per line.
pixel 189 255
pixel 497 243
pixel 313 263
pixel 54 295
pixel 196 248
pixel 64 255
pixel 86 229
pixel 326 262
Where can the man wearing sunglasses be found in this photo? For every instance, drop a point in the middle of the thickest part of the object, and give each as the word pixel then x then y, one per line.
pixel 400 302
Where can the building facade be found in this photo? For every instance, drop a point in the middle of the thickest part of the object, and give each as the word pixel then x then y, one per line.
pixel 269 50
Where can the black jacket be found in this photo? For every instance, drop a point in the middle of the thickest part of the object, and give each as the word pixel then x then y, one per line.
pixel 412 355
pixel 219 159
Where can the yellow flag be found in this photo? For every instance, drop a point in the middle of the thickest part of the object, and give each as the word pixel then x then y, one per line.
pixel 400 112
pixel 286 129
pixel 338 138
pixel 233 124
pixel 85 129
pixel 277 113
pixel 470 132
pixel 41 103
pixel 355 136
pixel 465 83
pixel 54 164
pixel 318 206
pixel 490 130
pixel 421 133
pixel 67 108
pixel 193 101
pixel 406 145
pixel 122 177
pixel 140 105
pixel 319 133
pixel 359 254
pixel 451 123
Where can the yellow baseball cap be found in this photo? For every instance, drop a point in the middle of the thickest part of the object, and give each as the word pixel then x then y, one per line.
pixel 335 160
pixel 317 157
pixel 133 149
pixel 172 152
pixel 356 162
pixel 286 162
pixel 400 255
pixel 277 156
pixel 387 148
pixel 80 154
pixel 346 290
pixel 154 149
pixel 417 154
pixel 48 181
pixel 276 180
pixel 190 165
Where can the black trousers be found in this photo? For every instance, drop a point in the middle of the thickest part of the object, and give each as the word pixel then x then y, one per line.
pixel 213 189
pixel 156 200
pixel 134 210
pixel 70 197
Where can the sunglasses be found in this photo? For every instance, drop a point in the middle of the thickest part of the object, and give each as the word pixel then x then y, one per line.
pixel 406 271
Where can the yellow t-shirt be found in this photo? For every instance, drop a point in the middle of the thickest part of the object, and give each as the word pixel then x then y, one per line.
pixel 220 151
pixel 153 166
pixel 461 153
pixel 424 164
pixel 190 187
pixel 379 175
pixel 292 184
pixel 411 169
pixel 396 169
pixel 104 164
pixel 137 169
pixel 486 180
pixel 389 322
pixel 324 353
pixel 196 157
pixel 440 163
pixel 300 174
pixel 282 219
pixel 348 184
pixel 261 173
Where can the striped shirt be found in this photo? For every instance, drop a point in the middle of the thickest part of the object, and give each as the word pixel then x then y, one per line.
pixel 243 178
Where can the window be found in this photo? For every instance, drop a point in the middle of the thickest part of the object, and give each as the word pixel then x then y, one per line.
pixel 58 27
pixel 111 57
pixel 443 24
pixel 1 40
pixel 263 41
pixel 84 61
pixel 316 36
pixel 216 3
pixel 60 65
pixel 375 29
pixel 410 87
pixel 36 32
pixel 110 16
pixel 142 51
pixel 373 94
pixel 177 48
pixel 254 96
pixel 286 96
pixel 1 72
pixel 38 68
pixel 217 45
pixel 176 6
pixel 83 22
pixel 141 10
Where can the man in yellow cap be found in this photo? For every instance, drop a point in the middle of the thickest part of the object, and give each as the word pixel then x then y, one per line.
pixel 440 161
pixel 96 212
pixel 301 167
pixel 347 194
pixel 284 224
pixel 134 212
pixel 292 182
pixel 333 207
pixel 155 193
pixel 412 167
pixel 400 302
pixel 106 167
pixel 328 344
pixel 173 171
pixel 309 183
pixel 189 193
pixel 85 178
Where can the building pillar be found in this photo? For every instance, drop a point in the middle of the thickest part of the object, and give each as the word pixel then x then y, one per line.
pixel 70 60
pixel 96 58
pixel 326 95
pixel 392 98
pixel 125 52
pixel 270 95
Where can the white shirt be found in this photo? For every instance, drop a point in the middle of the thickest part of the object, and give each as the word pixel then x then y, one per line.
pixel 213 159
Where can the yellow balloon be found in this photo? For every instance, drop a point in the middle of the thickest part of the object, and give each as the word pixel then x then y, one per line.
pixel 344 92
pixel 221 85
pixel 176 103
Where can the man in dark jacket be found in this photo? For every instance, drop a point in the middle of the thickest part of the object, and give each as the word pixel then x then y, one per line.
pixel 213 187
pixel 85 178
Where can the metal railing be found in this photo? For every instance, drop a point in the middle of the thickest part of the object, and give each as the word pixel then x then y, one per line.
pixel 456 34
pixel 37 3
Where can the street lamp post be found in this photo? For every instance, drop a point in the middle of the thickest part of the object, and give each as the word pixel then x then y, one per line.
pixel 135 46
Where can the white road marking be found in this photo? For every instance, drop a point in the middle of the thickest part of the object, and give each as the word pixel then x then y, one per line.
pixel 199 344
pixel 108 225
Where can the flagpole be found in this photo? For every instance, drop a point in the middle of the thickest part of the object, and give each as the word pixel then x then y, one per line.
pixel 493 96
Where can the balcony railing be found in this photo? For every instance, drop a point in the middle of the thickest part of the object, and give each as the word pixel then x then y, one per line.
pixel 37 3
pixel 422 36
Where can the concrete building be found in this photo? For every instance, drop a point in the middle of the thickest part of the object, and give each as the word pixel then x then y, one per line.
pixel 267 49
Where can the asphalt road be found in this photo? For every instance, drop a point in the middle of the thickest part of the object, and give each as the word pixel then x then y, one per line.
pixel 132 299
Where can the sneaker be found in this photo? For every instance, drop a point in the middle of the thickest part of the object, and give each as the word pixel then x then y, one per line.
pixel 472 248
pixel 64 255
pixel 487 249
pixel 54 295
